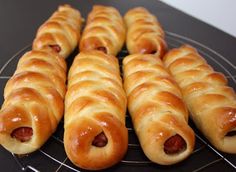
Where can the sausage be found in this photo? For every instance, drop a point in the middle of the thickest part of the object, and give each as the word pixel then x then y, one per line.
pixel 148 51
pixel 174 144
pixel 103 49
pixel 100 140
pixel 231 134
pixel 22 134
pixel 148 48
pixel 56 48
pixel 153 52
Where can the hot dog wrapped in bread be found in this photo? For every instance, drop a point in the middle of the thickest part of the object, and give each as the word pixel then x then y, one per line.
pixel 33 104
pixel 61 32
pixel 159 116
pixel 104 31
pixel 211 101
pixel 95 134
pixel 144 33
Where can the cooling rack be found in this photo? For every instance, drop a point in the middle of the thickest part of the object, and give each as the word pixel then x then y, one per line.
pixel 52 157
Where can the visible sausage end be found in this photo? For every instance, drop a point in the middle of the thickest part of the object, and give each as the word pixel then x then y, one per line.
pixel 56 48
pixel 103 49
pixel 148 51
pixel 153 52
pixel 22 134
pixel 100 140
pixel 231 134
pixel 174 145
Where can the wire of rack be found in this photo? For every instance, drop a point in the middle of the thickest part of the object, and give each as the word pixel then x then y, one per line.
pixel 52 157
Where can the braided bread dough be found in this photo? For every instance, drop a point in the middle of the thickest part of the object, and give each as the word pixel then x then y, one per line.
pixel 95 134
pixel 61 32
pixel 144 33
pixel 104 31
pixel 33 103
pixel 211 102
pixel 159 116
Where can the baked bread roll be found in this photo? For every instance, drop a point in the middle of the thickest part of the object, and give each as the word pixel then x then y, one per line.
pixel 33 104
pixel 95 105
pixel 160 118
pixel 144 33
pixel 61 32
pixel 211 102
pixel 104 31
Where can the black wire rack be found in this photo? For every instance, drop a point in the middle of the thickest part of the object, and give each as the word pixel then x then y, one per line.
pixel 52 156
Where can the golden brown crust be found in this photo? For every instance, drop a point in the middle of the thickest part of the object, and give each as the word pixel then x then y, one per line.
pixel 105 30
pixel 33 98
pixel 95 103
pixel 211 102
pixel 61 32
pixel 156 107
pixel 144 33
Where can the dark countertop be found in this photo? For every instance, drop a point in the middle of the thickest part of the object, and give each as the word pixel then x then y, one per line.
pixel 20 20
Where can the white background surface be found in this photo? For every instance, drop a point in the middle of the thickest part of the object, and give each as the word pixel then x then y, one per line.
pixel 218 13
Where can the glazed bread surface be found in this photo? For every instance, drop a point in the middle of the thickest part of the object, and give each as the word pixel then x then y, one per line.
pixel 144 33
pixel 104 30
pixel 95 106
pixel 33 102
pixel 61 32
pixel 159 115
pixel 211 101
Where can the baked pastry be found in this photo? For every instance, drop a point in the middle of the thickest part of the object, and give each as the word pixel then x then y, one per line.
pixel 33 104
pixel 95 105
pixel 104 31
pixel 144 33
pixel 211 102
pixel 160 117
pixel 61 32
